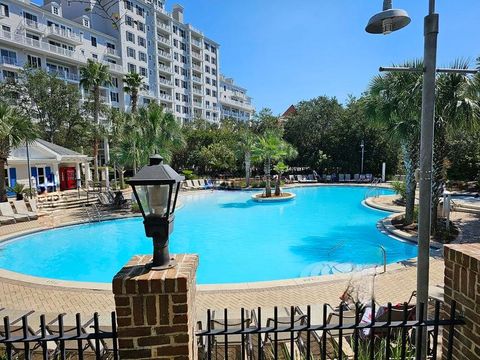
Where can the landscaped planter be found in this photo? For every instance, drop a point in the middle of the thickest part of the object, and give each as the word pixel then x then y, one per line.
pixel 285 196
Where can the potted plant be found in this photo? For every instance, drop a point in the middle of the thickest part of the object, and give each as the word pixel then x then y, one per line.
pixel 18 189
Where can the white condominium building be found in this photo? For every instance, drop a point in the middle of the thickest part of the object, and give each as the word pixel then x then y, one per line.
pixel 234 101
pixel 180 65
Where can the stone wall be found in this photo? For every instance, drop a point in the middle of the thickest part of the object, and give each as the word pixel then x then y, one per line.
pixel 155 310
pixel 462 284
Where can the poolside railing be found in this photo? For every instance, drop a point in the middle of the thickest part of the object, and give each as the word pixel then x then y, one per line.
pixel 54 339
pixel 337 335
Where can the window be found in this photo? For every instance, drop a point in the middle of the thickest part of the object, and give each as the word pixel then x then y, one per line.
pixel 175 56
pixel 143 72
pixel 34 61
pixel 7 184
pixel 131 52
pixel 32 36
pixel 214 82
pixel 207 91
pixel 132 68
pixel 55 10
pixel 94 41
pixel 177 96
pixel 129 20
pixel 207 46
pixel 214 72
pixel 184 72
pixel 4 10
pixel 141 26
pixel 207 58
pixel 207 69
pixel 214 61
pixel 130 37
pixel 9 76
pixel 182 33
pixel 114 82
pixel 140 11
pixel 177 82
pixel 207 79
pixel 95 56
pixel 142 56
pixel 6 28
pixel 86 22
pixel 214 93
pixel 141 41
pixel 185 110
pixel 175 43
pixel 185 98
pixel 183 59
pixel 41 175
pixel 178 108
pixel 184 84
pixel 175 29
pixel 31 19
pixel 128 5
pixel 213 49
pixel 113 96
pixel 8 56
pixel 183 46
pixel 177 69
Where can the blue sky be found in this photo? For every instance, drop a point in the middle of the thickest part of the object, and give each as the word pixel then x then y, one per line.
pixel 287 51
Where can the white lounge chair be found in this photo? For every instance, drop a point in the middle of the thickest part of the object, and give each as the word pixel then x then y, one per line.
pixel 7 211
pixel 341 177
pixel 22 209
pixel 348 177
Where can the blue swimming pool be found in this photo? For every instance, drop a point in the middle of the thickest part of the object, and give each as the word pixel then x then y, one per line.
pixel 324 230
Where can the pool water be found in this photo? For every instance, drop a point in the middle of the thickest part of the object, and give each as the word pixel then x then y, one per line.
pixel 324 230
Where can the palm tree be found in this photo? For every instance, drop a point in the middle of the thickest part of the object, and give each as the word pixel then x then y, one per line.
pixel 93 76
pixel 14 130
pixel 271 148
pixel 456 109
pixel 133 81
pixel 394 102
pixel 160 133
pixel 280 169
pixel 245 146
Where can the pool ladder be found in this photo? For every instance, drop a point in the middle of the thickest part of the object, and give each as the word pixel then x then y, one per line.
pixel 374 190
pixel 93 214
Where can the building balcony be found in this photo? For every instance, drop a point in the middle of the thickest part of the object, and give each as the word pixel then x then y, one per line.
pixel 196 43
pixel 63 35
pixel 34 26
pixel 195 30
pixel 197 91
pixel 237 103
pixel 164 55
pixel 197 104
pixel 197 56
pixel 65 75
pixel 116 68
pixel 197 79
pixel 164 40
pixel 165 97
pixel 165 82
pixel 112 52
pixel 165 69
pixel 18 39
pixel 163 12
pixel 196 67
pixel 164 27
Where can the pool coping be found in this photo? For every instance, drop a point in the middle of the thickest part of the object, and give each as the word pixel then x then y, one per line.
pixel 258 285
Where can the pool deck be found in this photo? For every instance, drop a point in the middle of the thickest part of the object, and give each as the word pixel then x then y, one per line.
pixel 395 285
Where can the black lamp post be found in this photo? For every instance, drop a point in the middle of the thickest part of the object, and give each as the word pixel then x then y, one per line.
pixel 156 189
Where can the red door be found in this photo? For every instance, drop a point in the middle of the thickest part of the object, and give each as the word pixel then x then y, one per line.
pixel 67 178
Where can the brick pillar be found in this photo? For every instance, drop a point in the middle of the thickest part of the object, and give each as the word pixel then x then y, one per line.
pixel 156 310
pixel 462 284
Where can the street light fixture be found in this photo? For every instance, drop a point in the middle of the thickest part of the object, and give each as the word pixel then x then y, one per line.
pixel 399 19
pixel 156 189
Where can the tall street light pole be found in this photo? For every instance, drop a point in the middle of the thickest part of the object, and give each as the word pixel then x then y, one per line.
pixel 362 145
pixel 387 21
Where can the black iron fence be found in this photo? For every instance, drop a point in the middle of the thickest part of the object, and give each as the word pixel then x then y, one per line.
pixel 320 332
pixel 61 337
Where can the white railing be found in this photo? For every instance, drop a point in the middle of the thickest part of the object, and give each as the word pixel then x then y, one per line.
pixel 53 30
pixel 238 103
pixel 20 39
pixel 34 25
pixel 195 29
pixel 163 11
pixel 197 56
pixel 196 67
pixel 196 42
pixel 113 67
pixel 165 55
pixel 197 104
pixel 197 91
pixel 164 26
pixel 7 60
pixel 64 75
pixel 165 82
pixel 165 97
pixel 197 79
pixel 164 40
pixel 165 68
pixel 113 52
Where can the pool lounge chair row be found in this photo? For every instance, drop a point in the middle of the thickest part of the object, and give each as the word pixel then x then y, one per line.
pixel 198 184
pixel 359 178
pixel 18 211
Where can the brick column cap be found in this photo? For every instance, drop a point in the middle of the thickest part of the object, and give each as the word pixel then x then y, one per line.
pixel 134 278
pixel 468 255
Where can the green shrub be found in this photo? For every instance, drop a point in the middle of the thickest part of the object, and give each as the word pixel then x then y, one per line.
pixel 400 188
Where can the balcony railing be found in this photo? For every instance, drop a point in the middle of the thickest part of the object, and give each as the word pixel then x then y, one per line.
pixel 165 97
pixel 196 43
pixel 112 52
pixel 34 25
pixel 195 29
pixel 165 55
pixel 164 26
pixel 197 104
pixel 7 60
pixel 164 40
pixel 52 30
pixel 165 68
pixel 197 91
pixel 64 75
pixel 197 56
pixel 113 67
pixel 196 79
pixel 196 67
pixel 165 82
